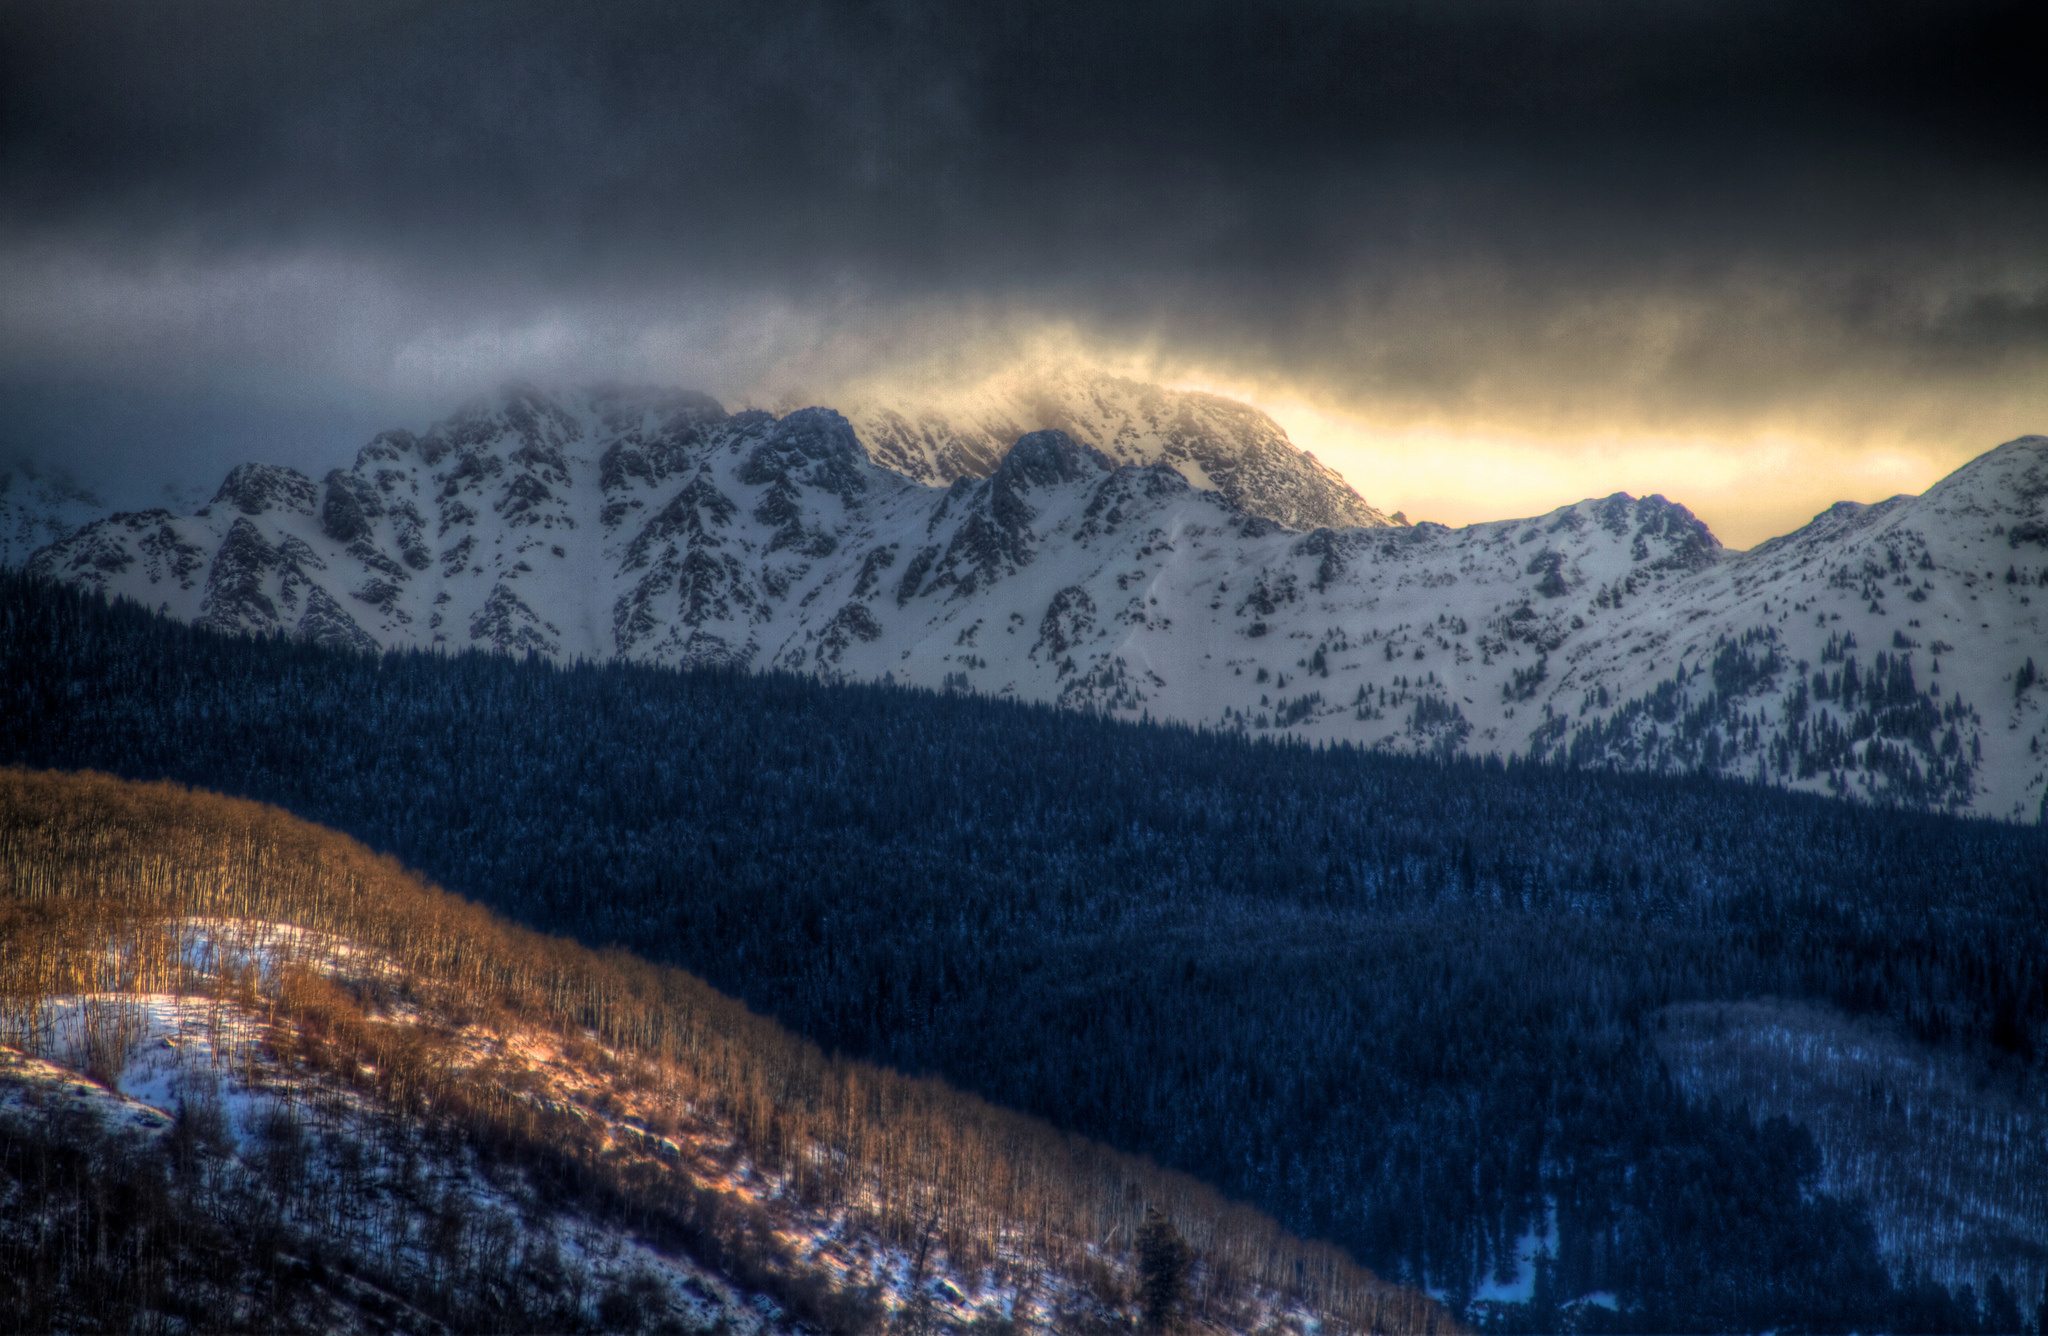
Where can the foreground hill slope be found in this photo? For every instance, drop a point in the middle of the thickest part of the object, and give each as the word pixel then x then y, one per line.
pixel 1882 653
pixel 292 1025
pixel 1414 1007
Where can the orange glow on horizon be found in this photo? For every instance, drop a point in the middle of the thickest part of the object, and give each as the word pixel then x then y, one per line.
pixel 1750 472
pixel 1747 489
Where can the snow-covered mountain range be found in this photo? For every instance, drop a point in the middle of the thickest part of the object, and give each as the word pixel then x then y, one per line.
pixel 1883 652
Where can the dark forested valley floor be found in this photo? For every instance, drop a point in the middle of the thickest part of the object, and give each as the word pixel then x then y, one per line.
pixel 1423 1010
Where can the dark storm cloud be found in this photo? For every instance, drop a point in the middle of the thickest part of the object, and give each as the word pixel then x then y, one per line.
pixel 1680 207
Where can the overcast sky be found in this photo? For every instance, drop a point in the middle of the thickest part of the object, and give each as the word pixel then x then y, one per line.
pixel 1484 257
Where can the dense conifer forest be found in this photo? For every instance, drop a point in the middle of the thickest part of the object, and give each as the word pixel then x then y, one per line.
pixel 1410 1007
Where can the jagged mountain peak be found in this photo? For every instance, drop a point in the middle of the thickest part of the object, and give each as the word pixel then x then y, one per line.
pixel 817 434
pixel 557 419
pixel 1661 531
pixel 254 489
pixel 1216 443
pixel 814 447
pixel 1043 458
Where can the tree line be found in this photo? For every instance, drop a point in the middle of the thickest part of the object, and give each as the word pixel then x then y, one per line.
pixel 1399 1003
pixel 114 887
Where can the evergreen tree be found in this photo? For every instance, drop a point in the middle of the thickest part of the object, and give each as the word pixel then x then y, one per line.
pixel 1164 1262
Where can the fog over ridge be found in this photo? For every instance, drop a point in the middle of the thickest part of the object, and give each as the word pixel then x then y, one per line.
pixel 1571 239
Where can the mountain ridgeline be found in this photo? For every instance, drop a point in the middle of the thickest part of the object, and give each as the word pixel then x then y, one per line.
pixel 1213 442
pixel 1446 1014
pixel 1118 548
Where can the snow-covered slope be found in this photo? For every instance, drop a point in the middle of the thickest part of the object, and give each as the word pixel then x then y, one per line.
pixel 1888 649
pixel 317 1094
pixel 1213 442
pixel 1878 653
pixel 38 507
pixel 148 1069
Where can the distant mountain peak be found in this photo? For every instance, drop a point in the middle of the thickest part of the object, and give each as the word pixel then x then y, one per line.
pixel 1217 444
pixel 38 506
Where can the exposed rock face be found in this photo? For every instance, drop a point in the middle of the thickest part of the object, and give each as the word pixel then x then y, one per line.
pixel 1215 443
pixel 1877 653
pixel 258 489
